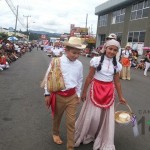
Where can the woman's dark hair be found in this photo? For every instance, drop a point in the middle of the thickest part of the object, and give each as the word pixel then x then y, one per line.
pixel 99 67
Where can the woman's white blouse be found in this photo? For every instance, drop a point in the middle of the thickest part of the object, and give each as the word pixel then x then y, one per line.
pixel 107 71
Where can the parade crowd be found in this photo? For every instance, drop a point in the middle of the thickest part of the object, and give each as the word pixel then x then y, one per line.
pixel 10 52
pixel 54 50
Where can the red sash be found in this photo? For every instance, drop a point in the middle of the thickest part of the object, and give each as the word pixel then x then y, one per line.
pixel 102 93
pixel 52 100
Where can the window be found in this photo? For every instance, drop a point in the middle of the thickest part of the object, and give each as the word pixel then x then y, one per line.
pixel 140 10
pixel 118 16
pixel 102 39
pixel 119 36
pixel 141 36
pixel 136 36
pixel 130 37
pixel 103 20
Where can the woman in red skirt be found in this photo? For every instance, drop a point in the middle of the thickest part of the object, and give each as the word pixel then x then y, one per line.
pixel 96 120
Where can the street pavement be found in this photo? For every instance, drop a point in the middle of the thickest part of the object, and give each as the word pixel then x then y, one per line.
pixel 25 122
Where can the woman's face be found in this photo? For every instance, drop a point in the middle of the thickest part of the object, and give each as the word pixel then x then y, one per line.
pixel 73 54
pixel 111 51
pixel 128 48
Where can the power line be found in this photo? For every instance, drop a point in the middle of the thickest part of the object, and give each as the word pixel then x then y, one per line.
pixel 13 9
pixel 16 20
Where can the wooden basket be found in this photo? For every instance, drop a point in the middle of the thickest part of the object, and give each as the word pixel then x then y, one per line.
pixel 123 116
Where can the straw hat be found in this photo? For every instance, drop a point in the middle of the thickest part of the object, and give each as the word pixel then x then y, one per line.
pixel 112 36
pixel 123 117
pixel 75 42
pixel 128 45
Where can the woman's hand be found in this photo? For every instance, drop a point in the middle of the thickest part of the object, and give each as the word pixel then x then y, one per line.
pixel 122 100
pixel 83 96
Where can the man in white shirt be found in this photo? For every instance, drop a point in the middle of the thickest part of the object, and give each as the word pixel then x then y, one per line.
pixel 67 99
pixel 56 51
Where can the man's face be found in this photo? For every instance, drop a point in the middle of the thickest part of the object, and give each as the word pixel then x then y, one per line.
pixel 73 54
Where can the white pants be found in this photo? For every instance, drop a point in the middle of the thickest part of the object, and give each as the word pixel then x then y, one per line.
pixel 147 66
pixel 4 66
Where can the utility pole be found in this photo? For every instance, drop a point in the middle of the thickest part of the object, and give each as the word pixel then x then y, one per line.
pixel 13 9
pixel 16 20
pixel 91 30
pixel 85 28
pixel 27 27
pixel 86 21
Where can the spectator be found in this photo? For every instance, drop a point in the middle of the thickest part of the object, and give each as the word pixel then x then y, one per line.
pixel 141 65
pixel 126 54
pixel 3 63
pixel 147 63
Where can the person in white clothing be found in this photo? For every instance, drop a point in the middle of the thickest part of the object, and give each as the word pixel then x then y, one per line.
pixel 126 56
pixel 147 63
pixel 96 119
pixel 56 51
pixel 67 99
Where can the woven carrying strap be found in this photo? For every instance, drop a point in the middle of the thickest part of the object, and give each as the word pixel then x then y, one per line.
pixel 55 81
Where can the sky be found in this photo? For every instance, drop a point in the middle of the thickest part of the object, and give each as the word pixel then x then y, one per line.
pixel 53 16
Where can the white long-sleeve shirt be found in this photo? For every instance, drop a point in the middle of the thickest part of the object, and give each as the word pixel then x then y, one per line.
pixel 72 72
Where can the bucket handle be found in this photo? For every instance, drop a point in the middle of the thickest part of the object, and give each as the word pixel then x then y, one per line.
pixel 125 105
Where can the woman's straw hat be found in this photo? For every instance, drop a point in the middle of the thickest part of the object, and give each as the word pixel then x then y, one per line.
pixel 75 42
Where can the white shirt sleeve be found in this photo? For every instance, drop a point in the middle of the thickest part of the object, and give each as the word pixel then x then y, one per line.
pixel 45 88
pixel 80 79
pixel 94 62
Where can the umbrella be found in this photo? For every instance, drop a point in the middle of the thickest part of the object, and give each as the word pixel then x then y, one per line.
pixel 146 48
pixel 12 38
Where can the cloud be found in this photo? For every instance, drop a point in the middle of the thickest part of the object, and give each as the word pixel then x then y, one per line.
pixel 51 15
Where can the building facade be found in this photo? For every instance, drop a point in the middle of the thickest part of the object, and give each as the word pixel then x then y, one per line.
pixel 128 19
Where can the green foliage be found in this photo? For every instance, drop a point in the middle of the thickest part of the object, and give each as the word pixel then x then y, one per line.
pixel 34 36
pixel 3 36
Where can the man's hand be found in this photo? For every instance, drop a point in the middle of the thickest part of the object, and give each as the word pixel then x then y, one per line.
pixel 47 100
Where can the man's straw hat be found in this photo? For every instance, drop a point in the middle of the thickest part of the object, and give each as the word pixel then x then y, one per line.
pixel 112 36
pixel 128 45
pixel 75 42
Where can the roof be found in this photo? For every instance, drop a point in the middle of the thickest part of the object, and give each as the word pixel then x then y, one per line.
pixel 112 5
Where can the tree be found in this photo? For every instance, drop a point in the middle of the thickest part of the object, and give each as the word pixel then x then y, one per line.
pixel 3 36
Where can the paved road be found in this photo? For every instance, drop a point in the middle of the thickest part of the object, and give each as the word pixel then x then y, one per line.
pixel 25 122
